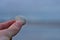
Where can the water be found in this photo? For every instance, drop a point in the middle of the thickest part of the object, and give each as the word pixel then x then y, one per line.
pixel 38 32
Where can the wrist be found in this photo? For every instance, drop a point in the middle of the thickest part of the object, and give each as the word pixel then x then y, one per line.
pixel 5 38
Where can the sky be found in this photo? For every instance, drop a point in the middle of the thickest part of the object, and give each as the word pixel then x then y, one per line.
pixel 32 10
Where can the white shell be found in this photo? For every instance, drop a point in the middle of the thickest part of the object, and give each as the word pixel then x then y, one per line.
pixel 21 18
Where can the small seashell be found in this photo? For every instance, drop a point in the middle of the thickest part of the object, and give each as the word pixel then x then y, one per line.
pixel 21 18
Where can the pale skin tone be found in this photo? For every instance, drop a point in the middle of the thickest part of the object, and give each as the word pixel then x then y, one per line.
pixel 9 29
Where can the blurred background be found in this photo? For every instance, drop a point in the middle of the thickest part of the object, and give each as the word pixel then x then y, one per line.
pixel 43 18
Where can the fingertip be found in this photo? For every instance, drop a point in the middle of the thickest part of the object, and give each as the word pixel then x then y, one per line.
pixel 6 24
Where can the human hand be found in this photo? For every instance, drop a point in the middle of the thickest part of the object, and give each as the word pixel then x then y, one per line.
pixel 9 29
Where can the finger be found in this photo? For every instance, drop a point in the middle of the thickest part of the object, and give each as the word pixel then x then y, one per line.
pixel 14 28
pixel 6 24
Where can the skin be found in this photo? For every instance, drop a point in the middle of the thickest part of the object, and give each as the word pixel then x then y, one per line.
pixel 9 29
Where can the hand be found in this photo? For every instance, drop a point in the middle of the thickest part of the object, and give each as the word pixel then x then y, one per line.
pixel 9 29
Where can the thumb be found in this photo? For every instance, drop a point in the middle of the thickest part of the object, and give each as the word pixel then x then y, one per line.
pixel 14 28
